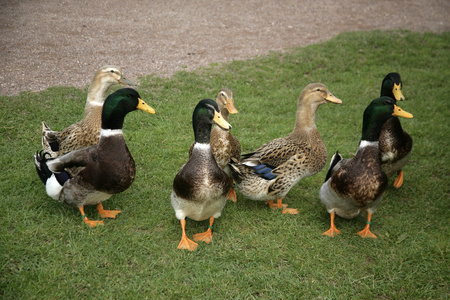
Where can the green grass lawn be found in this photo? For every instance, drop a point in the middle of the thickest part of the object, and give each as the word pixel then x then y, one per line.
pixel 47 252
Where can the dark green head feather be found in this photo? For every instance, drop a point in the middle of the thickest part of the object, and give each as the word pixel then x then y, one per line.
pixel 117 106
pixel 378 112
pixel 387 85
pixel 202 119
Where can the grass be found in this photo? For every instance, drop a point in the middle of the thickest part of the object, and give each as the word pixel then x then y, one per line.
pixel 47 252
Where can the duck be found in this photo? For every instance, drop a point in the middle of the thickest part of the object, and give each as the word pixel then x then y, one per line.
pixel 104 169
pixel 87 131
pixel 223 144
pixel 395 143
pixel 356 185
pixel 273 169
pixel 200 188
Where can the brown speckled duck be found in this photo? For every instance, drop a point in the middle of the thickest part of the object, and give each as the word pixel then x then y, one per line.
pixel 200 188
pixel 105 169
pixel 395 143
pixel 274 168
pixel 87 131
pixel 223 144
pixel 355 185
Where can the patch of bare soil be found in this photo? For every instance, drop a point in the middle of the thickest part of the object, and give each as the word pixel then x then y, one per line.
pixel 54 42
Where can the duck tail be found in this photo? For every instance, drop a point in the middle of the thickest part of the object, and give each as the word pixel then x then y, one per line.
pixel 334 161
pixel 49 139
pixel 53 181
pixel 41 166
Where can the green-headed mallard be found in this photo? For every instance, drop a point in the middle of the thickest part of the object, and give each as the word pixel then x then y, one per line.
pixel 395 144
pixel 105 169
pixel 87 131
pixel 357 184
pixel 223 144
pixel 200 188
pixel 274 168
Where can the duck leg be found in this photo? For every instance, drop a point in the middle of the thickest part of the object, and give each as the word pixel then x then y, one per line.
pixel 232 192
pixel 366 231
pixel 399 180
pixel 86 220
pixel 207 235
pixel 282 207
pixel 186 243
pixel 333 230
pixel 107 213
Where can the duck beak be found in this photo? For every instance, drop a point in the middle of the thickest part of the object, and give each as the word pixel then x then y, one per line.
pixel 123 80
pixel 397 91
pixel 219 120
pixel 401 113
pixel 144 106
pixel 230 107
pixel 333 99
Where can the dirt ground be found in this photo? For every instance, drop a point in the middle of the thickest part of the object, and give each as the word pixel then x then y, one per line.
pixel 60 42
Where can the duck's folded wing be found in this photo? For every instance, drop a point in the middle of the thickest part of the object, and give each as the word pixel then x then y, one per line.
pixel 77 158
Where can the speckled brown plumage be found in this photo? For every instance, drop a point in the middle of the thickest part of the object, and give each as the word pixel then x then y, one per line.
pixel 87 131
pixel 302 153
pixel 102 170
pixel 395 143
pixel 353 186
pixel 223 144
pixel 395 146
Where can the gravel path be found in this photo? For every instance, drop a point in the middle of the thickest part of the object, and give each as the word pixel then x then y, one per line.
pixel 59 42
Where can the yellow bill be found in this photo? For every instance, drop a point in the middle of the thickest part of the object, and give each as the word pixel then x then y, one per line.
pixel 333 99
pixel 397 91
pixel 219 120
pixel 401 113
pixel 145 107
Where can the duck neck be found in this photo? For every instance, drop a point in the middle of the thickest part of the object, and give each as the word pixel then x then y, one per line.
pixel 305 118
pixel 96 95
pixel 202 132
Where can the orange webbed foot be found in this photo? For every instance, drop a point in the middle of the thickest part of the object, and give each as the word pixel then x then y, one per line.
pixel 107 213
pixel 282 207
pixel 187 244
pixel 399 180
pixel 366 233
pixel 204 236
pixel 92 223
pixel 232 195
pixel 333 230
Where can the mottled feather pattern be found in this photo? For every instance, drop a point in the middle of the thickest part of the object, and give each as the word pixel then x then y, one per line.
pixel 359 180
pixel 395 146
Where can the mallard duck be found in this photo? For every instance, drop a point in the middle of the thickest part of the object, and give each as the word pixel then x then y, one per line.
pixel 274 168
pixel 223 144
pixel 105 169
pixel 355 185
pixel 395 144
pixel 87 131
pixel 200 188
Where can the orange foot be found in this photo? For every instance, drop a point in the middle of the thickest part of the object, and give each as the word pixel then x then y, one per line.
pixel 86 220
pixel 399 180
pixel 366 231
pixel 92 223
pixel 107 213
pixel 333 230
pixel 204 236
pixel 187 244
pixel 207 235
pixel 232 195
pixel 282 207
